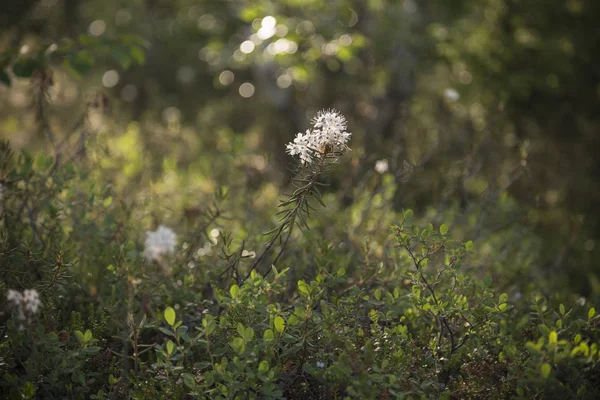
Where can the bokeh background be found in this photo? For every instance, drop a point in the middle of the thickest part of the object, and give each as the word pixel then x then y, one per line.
pixel 482 113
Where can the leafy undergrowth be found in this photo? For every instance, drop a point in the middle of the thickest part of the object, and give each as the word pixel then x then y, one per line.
pixel 358 301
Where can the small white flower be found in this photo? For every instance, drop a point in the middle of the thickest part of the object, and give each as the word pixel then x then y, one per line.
pixel 381 166
pixel 159 243
pixel 320 364
pixel 302 145
pixel 27 303
pixel 451 94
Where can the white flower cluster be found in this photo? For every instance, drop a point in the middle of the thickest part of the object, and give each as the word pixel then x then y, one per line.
pixel 159 243
pixel 327 135
pixel 28 303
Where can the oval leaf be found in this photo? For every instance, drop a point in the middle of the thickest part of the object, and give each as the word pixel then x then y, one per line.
pixel 279 324
pixel 545 370
pixel 170 347
pixel 169 316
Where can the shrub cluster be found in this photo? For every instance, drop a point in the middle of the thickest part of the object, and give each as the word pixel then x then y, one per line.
pixel 96 304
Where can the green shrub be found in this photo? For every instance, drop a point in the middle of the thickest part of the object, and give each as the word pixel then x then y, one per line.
pixel 320 313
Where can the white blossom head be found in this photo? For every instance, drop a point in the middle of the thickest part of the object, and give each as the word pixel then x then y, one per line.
pixel 328 135
pixel 160 243
pixel 27 303
pixel 381 166
pixel 320 364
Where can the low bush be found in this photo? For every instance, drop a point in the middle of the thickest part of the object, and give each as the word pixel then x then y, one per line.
pixel 358 301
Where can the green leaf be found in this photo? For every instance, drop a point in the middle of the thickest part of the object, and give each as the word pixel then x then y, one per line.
pixel 170 347
pixel 545 370
pixel 108 201
pixel 80 337
pixel 88 335
pixel 268 335
pixel 469 245
pixel 238 345
pixel 189 380
pixel 303 288
pixel 503 298
pixel 341 272
pixel 166 331
pixel 210 327
pixel 4 78
pixel 553 337
pixel 234 291
pixel 263 367
pixel 378 294
pixel 444 229
pixel 241 329
pixel 561 308
pixel 112 381
pixel 92 350
pixel 408 214
pixel 169 316
pixel 591 313
pixel 279 324
pixel 248 334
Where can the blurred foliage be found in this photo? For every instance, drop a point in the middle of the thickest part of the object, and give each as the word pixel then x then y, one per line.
pixel 479 115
